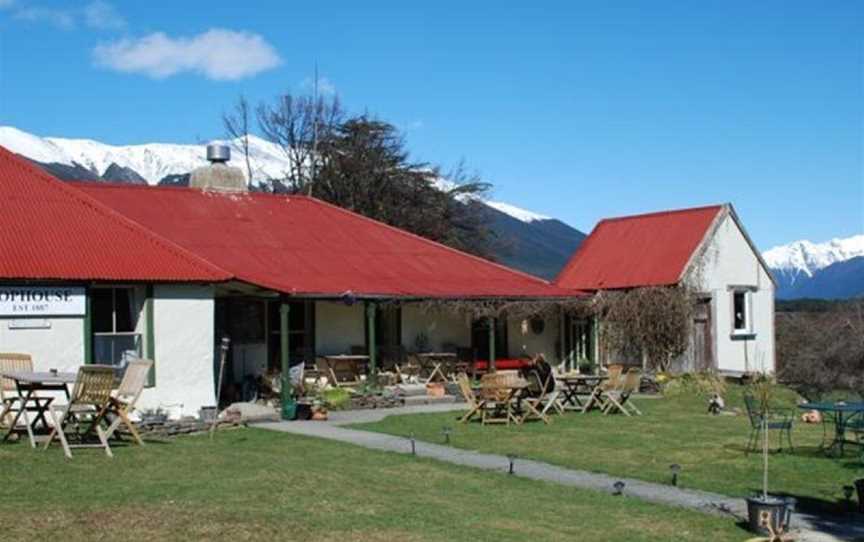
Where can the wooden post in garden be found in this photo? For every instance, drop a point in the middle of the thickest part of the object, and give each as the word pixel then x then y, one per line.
pixel 492 344
pixel 287 396
pixel 371 308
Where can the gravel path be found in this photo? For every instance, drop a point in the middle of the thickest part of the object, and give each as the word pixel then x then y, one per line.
pixel 812 529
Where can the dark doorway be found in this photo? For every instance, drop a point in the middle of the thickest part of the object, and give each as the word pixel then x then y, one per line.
pixel 301 333
pixel 480 338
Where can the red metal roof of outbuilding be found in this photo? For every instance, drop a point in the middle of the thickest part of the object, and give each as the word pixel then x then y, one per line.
pixel 50 230
pixel 641 250
pixel 301 245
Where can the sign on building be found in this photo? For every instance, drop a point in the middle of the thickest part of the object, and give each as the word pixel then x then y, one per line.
pixel 42 301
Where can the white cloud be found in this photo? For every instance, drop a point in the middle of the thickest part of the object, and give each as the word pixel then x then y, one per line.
pixel 56 17
pixel 102 15
pixel 325 86
pixel 218 54
pixel 98 14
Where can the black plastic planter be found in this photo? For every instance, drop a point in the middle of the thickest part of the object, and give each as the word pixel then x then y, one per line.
pixel 859 485
pixel 779 510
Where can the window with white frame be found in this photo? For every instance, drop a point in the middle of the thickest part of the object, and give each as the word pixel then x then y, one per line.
pixel 741 323
pixel 114 317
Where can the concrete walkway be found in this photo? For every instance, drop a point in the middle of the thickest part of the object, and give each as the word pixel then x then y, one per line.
pixel 812 529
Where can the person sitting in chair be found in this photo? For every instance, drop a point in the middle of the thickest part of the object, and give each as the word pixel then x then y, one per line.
pixel 539 376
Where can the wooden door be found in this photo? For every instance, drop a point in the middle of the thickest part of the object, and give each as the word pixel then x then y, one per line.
pixel 703 344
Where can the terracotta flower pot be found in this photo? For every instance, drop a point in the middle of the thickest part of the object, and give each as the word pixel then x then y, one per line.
pixel 435 389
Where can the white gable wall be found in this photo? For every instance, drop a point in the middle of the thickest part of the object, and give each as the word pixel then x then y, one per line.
pixel 727 263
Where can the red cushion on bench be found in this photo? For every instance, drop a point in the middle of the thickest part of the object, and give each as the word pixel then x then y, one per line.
pixel 502 364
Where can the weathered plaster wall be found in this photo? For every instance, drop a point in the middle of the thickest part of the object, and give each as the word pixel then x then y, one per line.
pixel 61 346
pixel 529 343
pixel 338 327
pixel 442 328
pixel 730 262
pixel 185 350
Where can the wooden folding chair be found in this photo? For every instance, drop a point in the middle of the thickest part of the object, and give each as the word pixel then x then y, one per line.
pixel 613 382
pixel 475 404
pixel 619 400
pixel 122 403
pixel 87 406
pixel 496 392
pixel 11 408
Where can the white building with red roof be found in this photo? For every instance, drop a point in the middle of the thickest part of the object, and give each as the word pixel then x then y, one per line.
pixel 705 247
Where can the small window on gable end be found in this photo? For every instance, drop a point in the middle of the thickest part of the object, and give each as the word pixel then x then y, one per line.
pixel 740 316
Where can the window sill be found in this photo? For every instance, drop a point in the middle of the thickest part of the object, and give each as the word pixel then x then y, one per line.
pixel 743 335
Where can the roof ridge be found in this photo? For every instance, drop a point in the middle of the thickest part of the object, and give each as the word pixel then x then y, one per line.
pixel 666 212
pixel 428 241
pixel 112 214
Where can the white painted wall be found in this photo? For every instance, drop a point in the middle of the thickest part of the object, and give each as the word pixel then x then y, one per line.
pixel 529 343
pixel 59 346
pixel 441 328
pixel 727 262
pixel 338 327
pixel 185 350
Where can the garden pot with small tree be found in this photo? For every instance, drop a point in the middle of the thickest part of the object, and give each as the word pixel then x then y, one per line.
pixel 767 514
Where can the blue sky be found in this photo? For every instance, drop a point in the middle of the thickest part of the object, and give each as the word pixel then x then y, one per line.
pixel 577 110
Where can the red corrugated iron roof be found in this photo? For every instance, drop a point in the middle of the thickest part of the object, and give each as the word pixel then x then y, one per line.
pixel 641 250
pixel 302 245
pixel 50 230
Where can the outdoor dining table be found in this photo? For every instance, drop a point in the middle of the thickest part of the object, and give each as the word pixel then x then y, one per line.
pixel 440 363
pixel 29 385
pixel 513 390
pixel 574 384
pixel 841 413
pixel 340 364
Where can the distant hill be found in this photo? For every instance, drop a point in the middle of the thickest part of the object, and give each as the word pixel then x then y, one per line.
pixel 540 246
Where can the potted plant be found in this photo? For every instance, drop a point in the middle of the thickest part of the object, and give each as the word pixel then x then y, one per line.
pixel 767 514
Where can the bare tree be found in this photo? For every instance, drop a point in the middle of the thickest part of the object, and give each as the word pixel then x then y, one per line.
pixel 654 322
pixel 237 128
pixel 294 124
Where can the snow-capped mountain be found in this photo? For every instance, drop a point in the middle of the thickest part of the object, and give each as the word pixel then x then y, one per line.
pixel 152 161
pixel 807 258
pixel 801 266
pixel 527 240
pixel 517 212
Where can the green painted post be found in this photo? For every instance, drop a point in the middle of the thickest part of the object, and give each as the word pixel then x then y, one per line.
pixel 289 405
pixel 492 344
pixel 88 329
pixel 150 346
pixel 371 308
pixel 596 349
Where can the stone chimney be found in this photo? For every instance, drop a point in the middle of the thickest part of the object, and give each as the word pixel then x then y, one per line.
pixel 218 175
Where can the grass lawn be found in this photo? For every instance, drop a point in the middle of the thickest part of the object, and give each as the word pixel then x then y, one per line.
pixel 674 429
pixel 255 484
